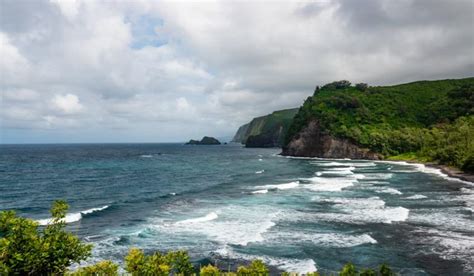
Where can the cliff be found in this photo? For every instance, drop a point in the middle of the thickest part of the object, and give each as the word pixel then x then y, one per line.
pixel 424 121
pixel 266 131
pixel 312 141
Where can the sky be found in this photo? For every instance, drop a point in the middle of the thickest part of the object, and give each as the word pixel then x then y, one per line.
pixel 84 71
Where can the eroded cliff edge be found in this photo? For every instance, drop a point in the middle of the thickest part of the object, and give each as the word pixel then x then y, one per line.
pixel 312 141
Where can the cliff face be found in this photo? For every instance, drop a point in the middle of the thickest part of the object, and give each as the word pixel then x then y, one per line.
pixel 311 141
pixel 266 131
pixel 240 135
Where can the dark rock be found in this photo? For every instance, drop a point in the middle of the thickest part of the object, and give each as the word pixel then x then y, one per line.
pixel 311 141
pixel 206 140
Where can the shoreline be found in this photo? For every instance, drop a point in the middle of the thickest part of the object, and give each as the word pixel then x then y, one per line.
pixel 444 169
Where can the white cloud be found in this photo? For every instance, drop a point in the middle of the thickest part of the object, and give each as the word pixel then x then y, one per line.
pixel 68 104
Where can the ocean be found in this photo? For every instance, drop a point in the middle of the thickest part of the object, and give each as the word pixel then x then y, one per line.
pixel 229 204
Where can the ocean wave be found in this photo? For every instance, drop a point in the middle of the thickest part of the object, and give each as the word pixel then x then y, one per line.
pixel 260 191
pixel 301 266
pixel 284 186
pixel 371 176
pixel 416 197
pixel 390 191
pixel 335 240
pixel 232 227
pixel 146 156
pixel 346 164
pixel 259 172
pixel 334 184
pixel 208 217
pixel 429 170
pixel 363 210
pixel 73 217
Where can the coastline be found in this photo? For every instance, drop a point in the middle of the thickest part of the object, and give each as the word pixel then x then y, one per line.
pixel 448 171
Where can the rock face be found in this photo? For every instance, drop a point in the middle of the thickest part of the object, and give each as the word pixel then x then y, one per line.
pixel 266 131
pixel 206 140
pixel 240 135
pixel 311 141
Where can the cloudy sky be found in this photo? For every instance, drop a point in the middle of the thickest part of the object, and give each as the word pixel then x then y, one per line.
pixel 156 71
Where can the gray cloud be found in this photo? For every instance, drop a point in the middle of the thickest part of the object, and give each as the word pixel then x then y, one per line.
pixel 163 71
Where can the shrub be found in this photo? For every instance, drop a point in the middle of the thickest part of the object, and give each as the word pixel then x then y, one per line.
pixel 175 262
pixel 256 268
pixel 342 84
pixel 209 270
pixel 361 86
pixel 102 268
pixel 348 270
pixel 26 249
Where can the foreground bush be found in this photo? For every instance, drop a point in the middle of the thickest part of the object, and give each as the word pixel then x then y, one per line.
pixel 27 250
pixel 102 268
pixel 174 262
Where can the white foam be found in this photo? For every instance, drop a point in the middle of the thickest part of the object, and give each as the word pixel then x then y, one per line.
pixel 146 156
pixel 208 217
pixel 333 184
pixel 378 176
pixel 238 225
pixel 337 240
pixel 416 197
pixel 260 159
pixel 389 191
pixel 260 191
pixel 259 172
pixel 301 266
pixel 363 210
pixel 73 217
pixel 425 169
pixel 284 186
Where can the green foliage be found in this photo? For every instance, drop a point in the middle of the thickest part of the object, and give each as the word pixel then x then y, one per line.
pixel 26 249
pixel 385 270
pixel 209 270
pixel 176 262
pixel 348 270
pixel 256 268
pixel 433 120
pixel 102 268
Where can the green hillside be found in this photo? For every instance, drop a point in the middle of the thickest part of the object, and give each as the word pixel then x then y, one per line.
pixel 424 120
pixel 266 131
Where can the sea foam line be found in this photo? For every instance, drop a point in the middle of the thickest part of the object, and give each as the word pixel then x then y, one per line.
pixel 74 217
pixel 208 217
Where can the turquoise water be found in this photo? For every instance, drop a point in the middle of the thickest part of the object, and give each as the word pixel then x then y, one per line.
pixel 229 204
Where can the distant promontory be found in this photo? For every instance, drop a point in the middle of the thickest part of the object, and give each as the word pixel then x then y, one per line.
pixel 206 140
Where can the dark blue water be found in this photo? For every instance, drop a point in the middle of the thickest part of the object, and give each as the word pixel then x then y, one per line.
pixel 230 204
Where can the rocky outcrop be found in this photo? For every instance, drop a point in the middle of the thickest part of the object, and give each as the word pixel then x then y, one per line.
pixel 312 141
pixel 206 140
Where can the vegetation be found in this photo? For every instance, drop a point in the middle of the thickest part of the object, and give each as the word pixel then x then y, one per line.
pixel 27 249
pixel 424 121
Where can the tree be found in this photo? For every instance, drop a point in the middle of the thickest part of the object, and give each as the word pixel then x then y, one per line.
pixel 175 262
pixel 102 268
pixel 256 268
pixel 362 86
pixel 209 270
pixel 27 249
pixel 348 270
